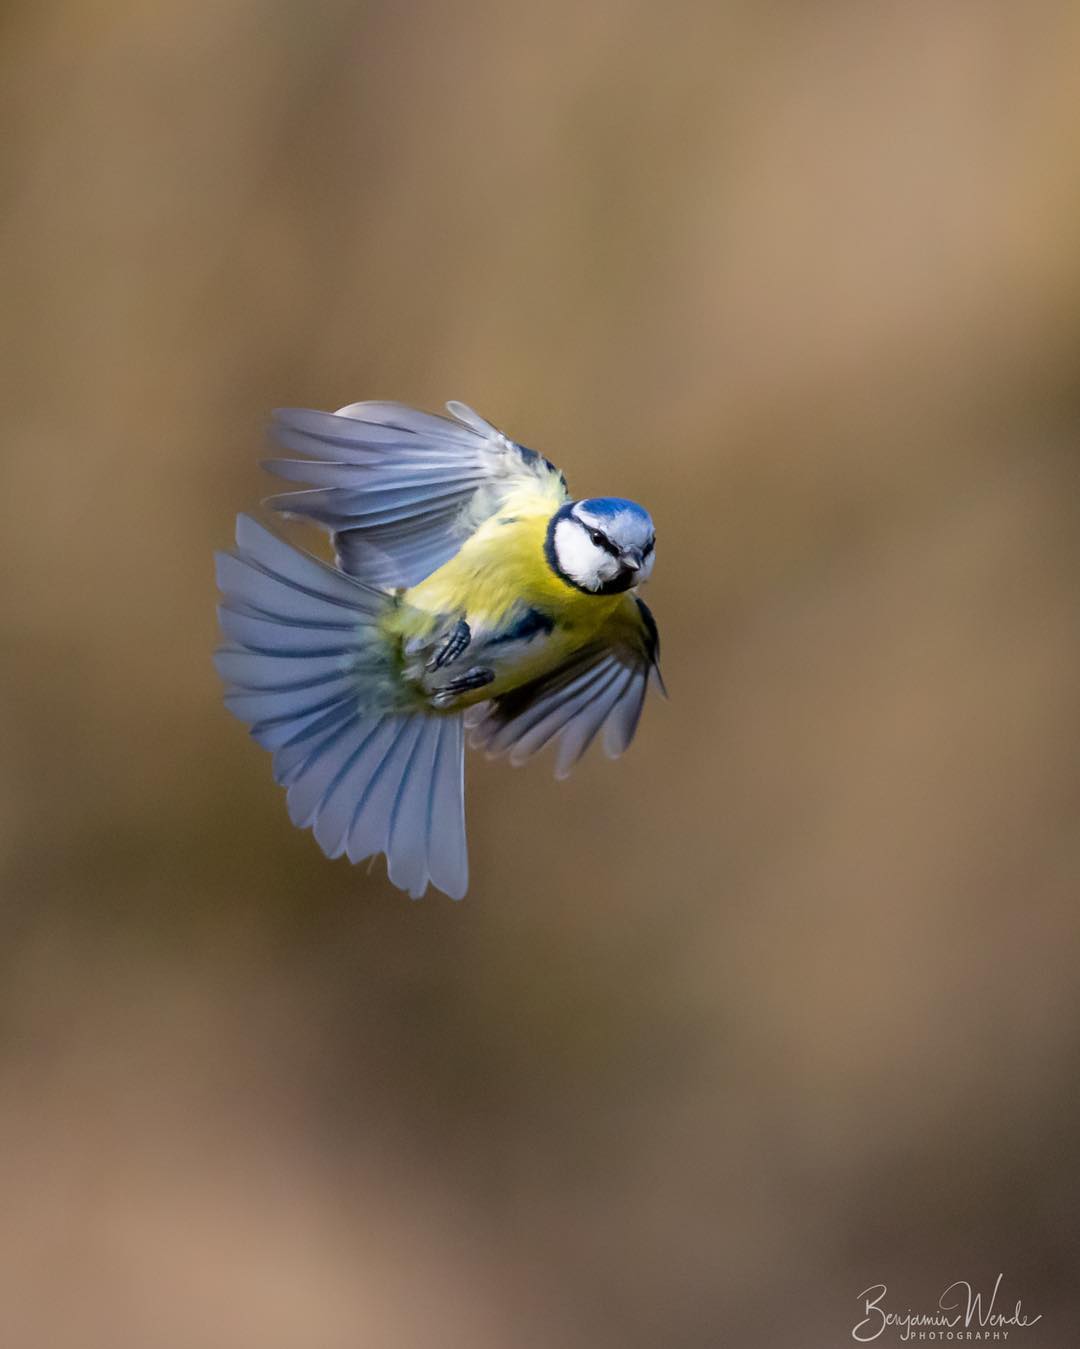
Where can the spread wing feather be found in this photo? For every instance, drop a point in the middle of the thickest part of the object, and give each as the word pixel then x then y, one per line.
pixel 602 686
pixel 303 642
pixel 400 490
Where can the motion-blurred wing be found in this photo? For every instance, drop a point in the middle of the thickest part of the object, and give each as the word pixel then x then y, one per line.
pixel 400 490
pixel 601 686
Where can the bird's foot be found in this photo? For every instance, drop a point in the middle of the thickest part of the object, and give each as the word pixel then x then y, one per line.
pixel 471 680
pixel 457 640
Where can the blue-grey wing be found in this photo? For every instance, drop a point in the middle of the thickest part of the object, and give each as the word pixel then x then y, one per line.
pixel 399 489
pixel 601 687
pixel 303 656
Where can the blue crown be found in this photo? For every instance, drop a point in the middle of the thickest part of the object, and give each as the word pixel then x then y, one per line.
pixel 608 507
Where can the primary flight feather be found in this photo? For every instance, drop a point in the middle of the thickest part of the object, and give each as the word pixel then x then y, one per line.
pixel 470 591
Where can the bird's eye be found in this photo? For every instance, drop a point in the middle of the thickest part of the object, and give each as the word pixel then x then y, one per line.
pixel 597 538
pixel 648 548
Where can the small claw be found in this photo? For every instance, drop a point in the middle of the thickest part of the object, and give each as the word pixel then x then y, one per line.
pixel 471 680
pixel 459 638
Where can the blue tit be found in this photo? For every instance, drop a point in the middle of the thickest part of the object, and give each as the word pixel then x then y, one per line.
pixel 471 592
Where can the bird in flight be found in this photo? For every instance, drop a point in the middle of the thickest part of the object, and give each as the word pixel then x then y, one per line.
pixel 471 593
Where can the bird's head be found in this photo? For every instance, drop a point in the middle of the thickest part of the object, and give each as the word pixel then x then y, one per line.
pixel 602 545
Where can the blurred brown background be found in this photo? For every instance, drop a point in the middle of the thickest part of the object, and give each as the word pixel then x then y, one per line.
pixel 782 1005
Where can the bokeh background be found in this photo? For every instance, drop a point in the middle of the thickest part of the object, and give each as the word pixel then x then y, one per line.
pixel 784 1004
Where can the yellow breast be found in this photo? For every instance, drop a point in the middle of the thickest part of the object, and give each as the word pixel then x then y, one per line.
pixel 502 567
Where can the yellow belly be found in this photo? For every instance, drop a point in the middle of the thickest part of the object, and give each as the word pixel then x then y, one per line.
pixel 502 570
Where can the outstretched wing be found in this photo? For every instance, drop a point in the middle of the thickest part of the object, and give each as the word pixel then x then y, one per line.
pixel 400 490
pixel 601 686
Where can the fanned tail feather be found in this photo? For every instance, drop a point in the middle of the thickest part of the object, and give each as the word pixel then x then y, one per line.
pixel 308 670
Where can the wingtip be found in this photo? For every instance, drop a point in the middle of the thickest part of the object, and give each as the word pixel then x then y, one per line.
pixel 471 418
pixel 453 887
pixel 285 416
pixel 248 529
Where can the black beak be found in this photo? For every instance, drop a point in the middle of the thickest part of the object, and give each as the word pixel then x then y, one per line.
pixel 632 559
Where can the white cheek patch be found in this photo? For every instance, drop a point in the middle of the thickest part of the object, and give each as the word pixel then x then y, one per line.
pixel 586 564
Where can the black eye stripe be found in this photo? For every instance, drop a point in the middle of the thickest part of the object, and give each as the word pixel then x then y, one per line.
pixel 601 540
